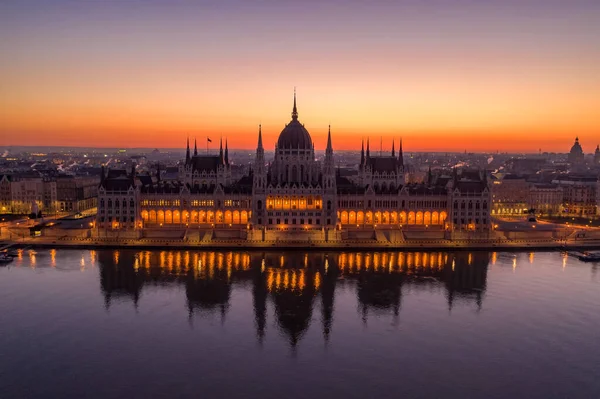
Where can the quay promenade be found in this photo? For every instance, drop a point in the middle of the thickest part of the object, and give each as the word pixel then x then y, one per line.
pixel 423 244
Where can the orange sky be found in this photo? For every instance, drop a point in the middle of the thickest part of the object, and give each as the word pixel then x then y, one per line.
pixel 475 79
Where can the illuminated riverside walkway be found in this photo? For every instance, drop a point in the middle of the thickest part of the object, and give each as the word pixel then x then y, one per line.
pixel 157 243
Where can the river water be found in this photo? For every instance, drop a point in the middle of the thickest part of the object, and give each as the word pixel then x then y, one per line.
pixel 142 324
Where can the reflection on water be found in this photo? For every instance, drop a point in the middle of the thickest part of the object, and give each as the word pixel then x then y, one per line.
pixel 294 282
pixel 294 324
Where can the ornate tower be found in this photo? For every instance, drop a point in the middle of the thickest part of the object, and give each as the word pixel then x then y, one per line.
pixel 329 184
pixel 259 182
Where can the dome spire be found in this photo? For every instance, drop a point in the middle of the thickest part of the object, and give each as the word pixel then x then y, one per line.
pixel 294 110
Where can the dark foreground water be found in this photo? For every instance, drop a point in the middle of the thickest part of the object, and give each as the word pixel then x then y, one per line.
pixel 111 324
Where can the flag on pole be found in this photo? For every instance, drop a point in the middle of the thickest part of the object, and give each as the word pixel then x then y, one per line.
pixel 209 140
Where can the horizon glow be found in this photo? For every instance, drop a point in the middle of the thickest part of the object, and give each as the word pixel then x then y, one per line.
pixel 449 75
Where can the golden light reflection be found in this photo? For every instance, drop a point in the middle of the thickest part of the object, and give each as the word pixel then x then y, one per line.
pixel 53 257
pixel 317 282
pixel 494 257
pixel 531 257
pixel 32 258
pixel 186 260
pixel 116 257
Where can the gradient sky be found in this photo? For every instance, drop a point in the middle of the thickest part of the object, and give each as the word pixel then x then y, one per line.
pixel 509 75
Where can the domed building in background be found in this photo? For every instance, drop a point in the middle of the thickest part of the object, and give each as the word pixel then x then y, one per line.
pixel 576 155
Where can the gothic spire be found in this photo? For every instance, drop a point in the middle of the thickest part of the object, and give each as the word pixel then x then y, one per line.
pixel 400 154
pixel 195 147
pixel 260 144
pixel 221 150
pixel 362 153
pixel 187 151
pixel 294 110
pixel 329 147
pixel 226 153
pixel 368 149
pixel 393 148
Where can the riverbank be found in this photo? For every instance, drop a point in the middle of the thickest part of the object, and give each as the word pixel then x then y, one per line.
pixel 491 245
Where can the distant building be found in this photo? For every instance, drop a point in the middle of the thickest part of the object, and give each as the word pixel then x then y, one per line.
pixel 76 193
pixel 579 194
pixel 510 196
pixel 576 155
pixel 5 194
pixel 30 191
pixel 597 156
pixel 546 199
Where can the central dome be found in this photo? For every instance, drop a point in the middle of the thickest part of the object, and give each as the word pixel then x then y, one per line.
pixel 294 135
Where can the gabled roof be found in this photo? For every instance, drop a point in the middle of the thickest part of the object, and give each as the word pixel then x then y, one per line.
pixel 208 163
pixel 383 164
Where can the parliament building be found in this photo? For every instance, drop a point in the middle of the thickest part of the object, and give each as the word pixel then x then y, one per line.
pixel 294 196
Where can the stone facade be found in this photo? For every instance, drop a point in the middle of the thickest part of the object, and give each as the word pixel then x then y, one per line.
pixel 294 196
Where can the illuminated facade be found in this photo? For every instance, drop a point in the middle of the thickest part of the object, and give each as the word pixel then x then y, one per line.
pixel 296 196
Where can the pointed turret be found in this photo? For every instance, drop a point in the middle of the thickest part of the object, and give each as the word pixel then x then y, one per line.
pixel 260 144
pixel 259 172
pixel 362 153
pixel 329 147
pixel 295 109
pixel 187 151
pixel 368 149
pixel 158 172
pixel 400 154
pixel 429 176
pixel 226 153
pixel 393 148
pixel 195 147
pixel 221 160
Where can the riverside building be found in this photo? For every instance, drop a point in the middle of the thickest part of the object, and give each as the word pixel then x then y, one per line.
pixel 293 196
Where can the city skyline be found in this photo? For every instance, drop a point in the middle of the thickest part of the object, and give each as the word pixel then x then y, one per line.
pixel 151 74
